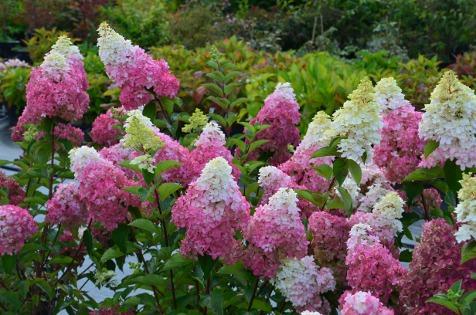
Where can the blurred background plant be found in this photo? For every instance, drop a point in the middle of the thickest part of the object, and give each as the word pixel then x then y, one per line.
pixel 323 47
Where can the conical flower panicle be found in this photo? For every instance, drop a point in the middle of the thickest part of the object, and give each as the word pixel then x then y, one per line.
pixel 275 232
pixel 449 119
pixel 212 211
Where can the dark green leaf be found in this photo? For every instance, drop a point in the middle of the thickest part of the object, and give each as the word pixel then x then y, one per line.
pixel 443 301
pixel 340 170
pixel 325 151
pixel 145 224
pixel 425 174
pixel 111 253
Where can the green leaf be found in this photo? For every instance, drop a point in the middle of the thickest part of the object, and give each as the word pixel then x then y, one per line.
pixel 256 144
pixel 238 271
pixel 120 237
pixel 150 110
pixel 145 224
pixel 425 174
pixel 468 252
pixel 315 198
pixel 453 175
pixel 217 302
pixel 340 170
pixel 443 301
pixel 111 253
pixel 166 189
pixel 406 255
pixel 9 263
pixel 261 305
pixel 177 261
pixel 430 146
pixel 165 166
pixel 346 198
pixel 325 171
pixel 325 151
pixel 355 170
pixel 61 260
pixel 214 89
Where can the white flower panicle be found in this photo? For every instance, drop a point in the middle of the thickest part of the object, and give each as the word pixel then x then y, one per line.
pixel 450 119
pixel 211 133
pixel 285 198
pixel 310 313
pixel 113 48
pixel 285 90
pixel 358 122
pixel 390 207
pixel 389 95
pixel 301 280
pixel 82 156
pixel 466 209
pixel 319 132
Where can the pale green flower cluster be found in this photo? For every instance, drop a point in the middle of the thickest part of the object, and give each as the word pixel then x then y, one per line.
pixel 358 122
pixel 196 122
pixel 390 208
pixel 319 132
pixel 466 209
pixel 140 133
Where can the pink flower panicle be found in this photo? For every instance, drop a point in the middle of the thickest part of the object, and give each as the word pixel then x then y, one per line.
pixel 373 268
pixel 13 190
pixel 16 226
pixel 173 150
pixel 70 133
pixel 434 268
pixel 210 144
pixel 212 211
pixel 56 89
pixel 106 128
pixel 133 70
pixel 400 148
pixel 101 189
pixel 329 233
pixel 281 112
pixel 362 303
pixel 275 232
pixel 272 178
pixel 65 207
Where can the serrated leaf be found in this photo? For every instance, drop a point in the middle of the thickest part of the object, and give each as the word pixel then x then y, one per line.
pixel 166 189
pixel 145 224
pixel 430 146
